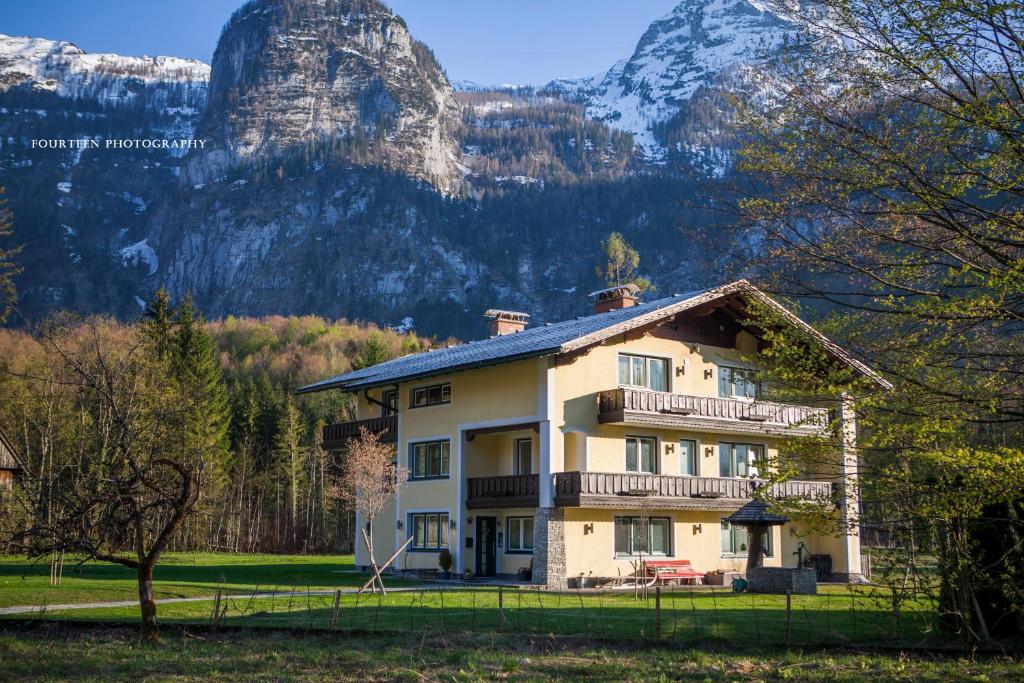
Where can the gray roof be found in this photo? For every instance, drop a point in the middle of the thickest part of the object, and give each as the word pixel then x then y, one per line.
pixel 534 341
pixel 561 337
pixel 756 512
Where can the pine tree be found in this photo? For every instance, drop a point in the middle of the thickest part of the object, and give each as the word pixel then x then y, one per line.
pixel 290 456
pixel 8 269
pixel 375 351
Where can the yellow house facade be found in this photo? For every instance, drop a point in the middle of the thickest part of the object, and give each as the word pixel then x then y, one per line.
pixel 575 449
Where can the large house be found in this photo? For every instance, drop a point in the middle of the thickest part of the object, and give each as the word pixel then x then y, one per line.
pixel 576 446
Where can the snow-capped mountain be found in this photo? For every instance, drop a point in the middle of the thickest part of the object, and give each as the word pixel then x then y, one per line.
pixel 698 44
pixel 66 70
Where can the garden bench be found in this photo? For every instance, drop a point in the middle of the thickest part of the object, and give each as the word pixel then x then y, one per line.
pixel 669 570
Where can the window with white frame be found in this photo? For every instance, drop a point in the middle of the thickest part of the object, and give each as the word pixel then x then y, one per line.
pixel 520 535
pixel 524 456
pixel 735 540
pixel 430 460
pixel 688 457
pixel 642 454
pixel 736 382
pixel 643 535
pixel 429 530
pixel 740 459
pixel 643 371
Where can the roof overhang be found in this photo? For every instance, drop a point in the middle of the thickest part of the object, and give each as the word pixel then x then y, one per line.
pixel 740 287
pixel 579 344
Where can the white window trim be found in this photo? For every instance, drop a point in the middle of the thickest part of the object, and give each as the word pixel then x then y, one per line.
pixel 669 375
pixel 740 554
pixel 696 456
pixel 647 556
pixel 718 454
pixel 657 453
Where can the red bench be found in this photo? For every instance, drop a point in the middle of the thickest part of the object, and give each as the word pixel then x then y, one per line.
pixel 669 570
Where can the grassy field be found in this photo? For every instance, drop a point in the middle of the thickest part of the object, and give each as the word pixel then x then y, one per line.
pixel 115 654
pixel 177 575
pixel 838 615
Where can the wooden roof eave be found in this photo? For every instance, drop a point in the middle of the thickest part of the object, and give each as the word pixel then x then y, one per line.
pixel 704 301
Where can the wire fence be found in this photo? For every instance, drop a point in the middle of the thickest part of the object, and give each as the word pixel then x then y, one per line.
pixel 690 615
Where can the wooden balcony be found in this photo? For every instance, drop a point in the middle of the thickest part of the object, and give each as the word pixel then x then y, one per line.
pixel 709 414
pixel 514 491
pixel 629 491
pixel 336 435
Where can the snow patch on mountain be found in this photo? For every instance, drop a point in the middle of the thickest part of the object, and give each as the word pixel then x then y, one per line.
pixel 694 45
pixel 141 252
pixel 67 70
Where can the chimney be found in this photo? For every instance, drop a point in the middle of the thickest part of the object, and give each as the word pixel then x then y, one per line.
pixel 614 298
pixel 505 322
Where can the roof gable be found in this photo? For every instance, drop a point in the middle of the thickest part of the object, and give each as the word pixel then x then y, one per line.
pixel 563 337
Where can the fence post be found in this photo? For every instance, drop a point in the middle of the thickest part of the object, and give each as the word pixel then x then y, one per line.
pixel 657 611
pixel 789 615
pixel 501 608
pixel 337 607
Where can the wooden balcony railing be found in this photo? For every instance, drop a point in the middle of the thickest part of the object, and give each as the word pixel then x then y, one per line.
pixel 641 406
pixel 603 489
pixel 625 490
pixel 518 490
pixel 335 435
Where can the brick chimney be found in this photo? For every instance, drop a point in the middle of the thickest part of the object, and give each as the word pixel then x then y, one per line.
pixel 505 322
pixel 614 298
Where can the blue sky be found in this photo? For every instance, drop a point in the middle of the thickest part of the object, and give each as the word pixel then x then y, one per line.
pixel 523 41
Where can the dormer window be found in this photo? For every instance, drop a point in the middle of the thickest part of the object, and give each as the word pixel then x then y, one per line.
pixel 644 372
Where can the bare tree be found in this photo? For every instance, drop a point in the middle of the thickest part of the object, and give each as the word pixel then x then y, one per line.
pixel 130 488
pixel 371 478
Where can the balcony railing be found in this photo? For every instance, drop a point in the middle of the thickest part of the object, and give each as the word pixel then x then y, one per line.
pixel 519 490
pixel 336 435
pixel 707 413
pixel 624 490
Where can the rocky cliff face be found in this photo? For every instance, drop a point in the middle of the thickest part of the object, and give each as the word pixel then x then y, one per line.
pixel 699 45
pixel 341 176
pixel 294 75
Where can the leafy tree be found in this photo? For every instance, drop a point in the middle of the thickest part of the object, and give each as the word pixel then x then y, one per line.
pixel 375 351
pixel 8 268
pixel 895 197
pixel 622 261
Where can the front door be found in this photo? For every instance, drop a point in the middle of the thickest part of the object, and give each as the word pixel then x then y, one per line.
pixel 486 546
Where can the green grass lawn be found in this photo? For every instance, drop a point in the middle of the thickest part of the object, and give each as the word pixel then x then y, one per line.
pixel 177 575
pixel 837 615
pixel 114 654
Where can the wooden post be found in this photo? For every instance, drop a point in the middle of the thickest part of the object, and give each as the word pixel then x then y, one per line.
pixel 657 611
pixel 337 607
pixel 789 616
pixel 501 609
pixel 377 570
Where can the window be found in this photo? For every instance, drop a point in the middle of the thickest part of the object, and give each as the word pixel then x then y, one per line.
pixel 688 457
pixel 390 400
pixel 431 396
pixel 739 459
pixel 739 383
pixel 520 535
pixel 429 530
pixel 734 540
pixel 429 460
pixel 524 456
pixel 641 371
pixel 642 454
pixel 636 535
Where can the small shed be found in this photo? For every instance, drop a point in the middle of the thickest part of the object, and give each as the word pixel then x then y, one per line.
pixel 8 463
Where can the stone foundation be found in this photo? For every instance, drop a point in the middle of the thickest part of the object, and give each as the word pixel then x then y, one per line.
pixel 782 579
pixel 549 548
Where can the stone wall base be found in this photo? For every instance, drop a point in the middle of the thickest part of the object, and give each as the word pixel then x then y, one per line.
pixel 781 579
pixel 549 548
